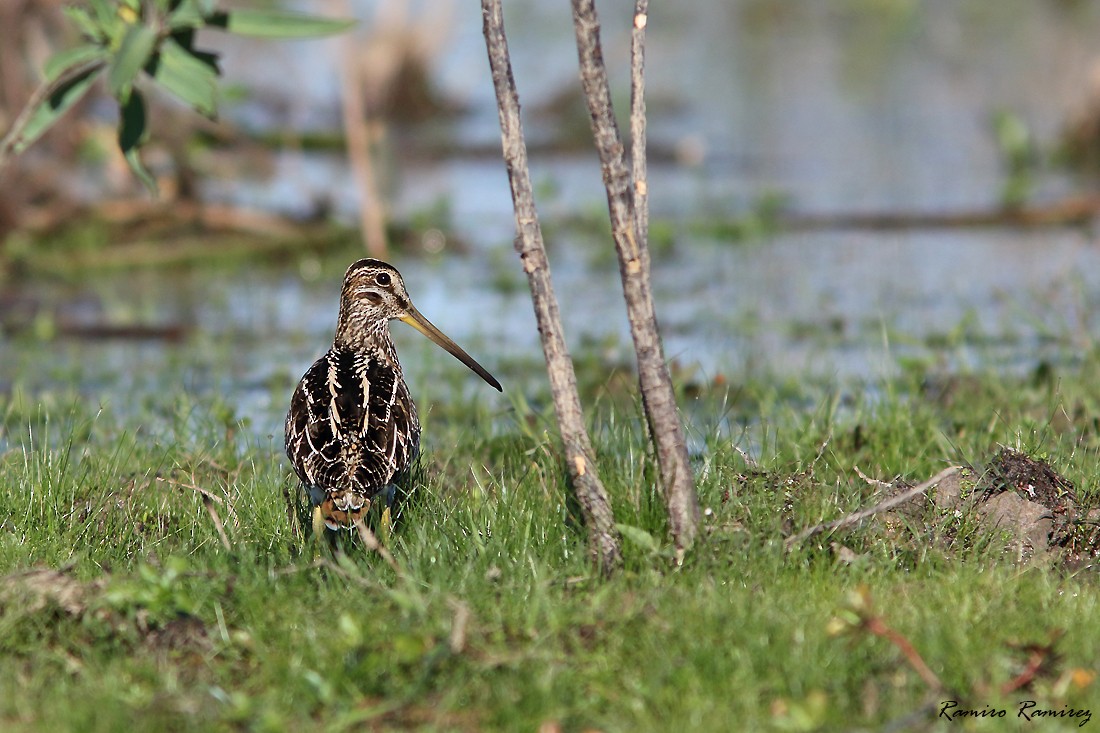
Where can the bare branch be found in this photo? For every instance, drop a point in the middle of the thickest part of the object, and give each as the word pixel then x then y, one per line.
pixel 658 397
pixel 638 125
pixel 872 481
pixel 580 463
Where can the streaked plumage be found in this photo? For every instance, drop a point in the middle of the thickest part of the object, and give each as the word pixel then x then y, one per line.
pixel 352 432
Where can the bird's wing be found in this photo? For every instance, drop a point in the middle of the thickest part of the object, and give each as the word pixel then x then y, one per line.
pixel 311 443
pixel 351 424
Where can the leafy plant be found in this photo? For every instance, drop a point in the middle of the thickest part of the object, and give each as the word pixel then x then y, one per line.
pixel 159 592
pixel 127 41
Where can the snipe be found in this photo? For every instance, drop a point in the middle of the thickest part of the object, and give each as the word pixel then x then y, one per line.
pixel 352 433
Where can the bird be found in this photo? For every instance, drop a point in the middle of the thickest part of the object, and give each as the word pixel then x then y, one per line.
pixel 352 433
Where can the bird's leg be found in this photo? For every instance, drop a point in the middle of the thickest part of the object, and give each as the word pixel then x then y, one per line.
pixel 385 522
pixel 318 524
pixel 385 527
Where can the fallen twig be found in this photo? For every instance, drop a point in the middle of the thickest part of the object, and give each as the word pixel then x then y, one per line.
pixel 864 618
pixel 458 626
pixel 207 495
pixel 217 522
pixel 877 626
pixel 749 460
pixel 857 517
pixel 1038 654
pixel 820 452
pixel 872 481
pixel 375 545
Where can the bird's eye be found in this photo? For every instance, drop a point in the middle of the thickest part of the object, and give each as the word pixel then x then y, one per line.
pixel 382 278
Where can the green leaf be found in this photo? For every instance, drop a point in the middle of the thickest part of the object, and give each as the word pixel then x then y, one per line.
pixel 63 61
pixel 185 38
pixel 137 46
pixel 638 536
pixel 277 24
pixel 131 134
pixel 131 122
pixel 83 20
pixel 189 14
pixel 53 107
pixel 187 77
pixel 107 18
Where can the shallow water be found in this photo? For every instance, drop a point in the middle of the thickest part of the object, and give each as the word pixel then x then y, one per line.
pixel 847 106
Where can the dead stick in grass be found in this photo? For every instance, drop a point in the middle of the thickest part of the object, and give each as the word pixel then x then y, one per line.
pixel 217 522
pixel 876 625
pixel 857 517
pixel 867 620
pixel 1038 654
pixel 458 626
pixel 375 545
pixel 207 495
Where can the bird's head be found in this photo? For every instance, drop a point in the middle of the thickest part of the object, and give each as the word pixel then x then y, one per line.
pixel 374 294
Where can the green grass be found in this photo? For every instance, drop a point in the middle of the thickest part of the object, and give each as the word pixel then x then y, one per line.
pixel 496 621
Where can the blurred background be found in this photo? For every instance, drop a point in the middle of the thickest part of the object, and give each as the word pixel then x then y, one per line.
pixel 839 190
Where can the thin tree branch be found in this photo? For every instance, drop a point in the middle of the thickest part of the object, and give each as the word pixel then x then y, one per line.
pixel 638 126
pixel 658 397
pixel 580 463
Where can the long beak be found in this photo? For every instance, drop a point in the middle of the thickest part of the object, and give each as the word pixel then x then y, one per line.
pixel 424 326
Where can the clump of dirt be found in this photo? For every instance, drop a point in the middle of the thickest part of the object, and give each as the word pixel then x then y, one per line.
pixel 40 590
pixel 186 633
pixel 1032 480
pixel 1015 498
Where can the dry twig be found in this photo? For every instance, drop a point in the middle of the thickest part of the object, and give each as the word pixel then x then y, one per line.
pixel 217 523
pixel 877 626
pixel 1038 654
pixel 866 619
pixel 458 626
pixel 857 517
pixel 356 114
pixel 206 495
pixel 372 542
pixel 872 481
